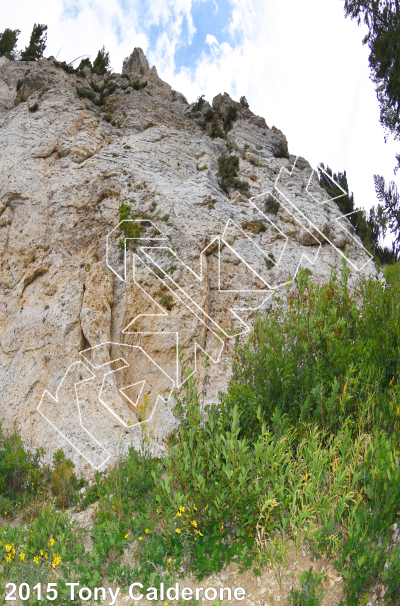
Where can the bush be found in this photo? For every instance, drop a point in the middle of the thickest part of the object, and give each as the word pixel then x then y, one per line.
pixel 272 205
pixel 21 472
pixel 8 43
pixel 228 168
pixel 137 85
pixel 33 108
pixel 311 593
pixel 198 105
pixel 216 131
pixel 37 43
pixel 167 301
pixel 231 115
pixel 85 93
pixel 243 102
pixel 84 63
pixel 332 356
pixel 64 483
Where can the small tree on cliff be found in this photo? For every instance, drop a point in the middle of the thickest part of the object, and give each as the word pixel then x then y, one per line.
pixel 8 42
pixel 34 51
pixel 102 62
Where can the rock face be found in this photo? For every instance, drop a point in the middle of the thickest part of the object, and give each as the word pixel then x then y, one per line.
pixel 210 250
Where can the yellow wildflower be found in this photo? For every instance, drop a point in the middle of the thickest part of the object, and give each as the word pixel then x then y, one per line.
pixel 178 514
pixel 177 531
pixel 169 560
pixel 202 535
pixel 140 538
pixel 194 523
pixel 41 552
pixel 8 548
pixel 52 542
pixel 147 531
pixel 127 536
pixel 36 560
pixel 182 509
pixel 128 423
pixel 194 507
pixel 22 556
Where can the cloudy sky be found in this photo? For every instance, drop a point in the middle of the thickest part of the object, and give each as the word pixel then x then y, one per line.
pixel 301 65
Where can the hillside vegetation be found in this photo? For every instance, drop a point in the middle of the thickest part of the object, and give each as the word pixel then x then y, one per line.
pixel 304 445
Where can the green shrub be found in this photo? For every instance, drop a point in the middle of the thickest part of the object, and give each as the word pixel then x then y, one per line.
pixel 228 169
pixel 311 593
pixel 272 205
pixel 63 482
pixel 84 63
pixel 19 84
pixel 243 102
pixel 270 261
pixel 137 85
pixel 130 228
pixel 33 108
pixel 107 117
pixel 326 359
pixel 216 131
pixel 231 115
pixel 37 43
pixel 85 93
pixel 198 105
pixel 21 472
pixel 167 301
pixel 67 67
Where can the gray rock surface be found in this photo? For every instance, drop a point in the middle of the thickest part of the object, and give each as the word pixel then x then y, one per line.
pixel 64 171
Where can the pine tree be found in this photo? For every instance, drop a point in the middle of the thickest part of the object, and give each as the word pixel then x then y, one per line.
pixel 369 227
pixel 8 42
pixel 382 18
pixel 390 198
pixel 102 62
pixel 37 43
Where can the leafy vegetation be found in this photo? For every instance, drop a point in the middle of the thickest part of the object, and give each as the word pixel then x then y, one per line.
pixel 304 445
pixel 37 43
pixel 243 101
pixel 228 170
pixel 8 43
pixel 231 115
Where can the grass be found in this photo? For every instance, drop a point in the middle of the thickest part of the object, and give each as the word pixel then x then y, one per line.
pixel 303 445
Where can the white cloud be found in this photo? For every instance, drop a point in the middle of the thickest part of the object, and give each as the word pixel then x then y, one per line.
pixel 210 40
pixel 301 65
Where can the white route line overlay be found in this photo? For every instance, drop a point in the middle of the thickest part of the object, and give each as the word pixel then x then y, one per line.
pixel 198 311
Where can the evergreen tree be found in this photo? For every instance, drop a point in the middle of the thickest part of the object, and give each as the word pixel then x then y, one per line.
pixel 102 62
pixel 369 227
pixel 390 198
pixel 382 18
pixel 8 42
pixel 34 51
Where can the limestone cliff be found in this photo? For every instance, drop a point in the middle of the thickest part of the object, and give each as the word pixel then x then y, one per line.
pixel 208 249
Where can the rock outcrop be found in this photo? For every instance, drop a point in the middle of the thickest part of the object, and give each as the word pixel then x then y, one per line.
pixel 73 148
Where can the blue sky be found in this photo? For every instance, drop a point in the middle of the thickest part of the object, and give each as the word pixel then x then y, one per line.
pixel 301 65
